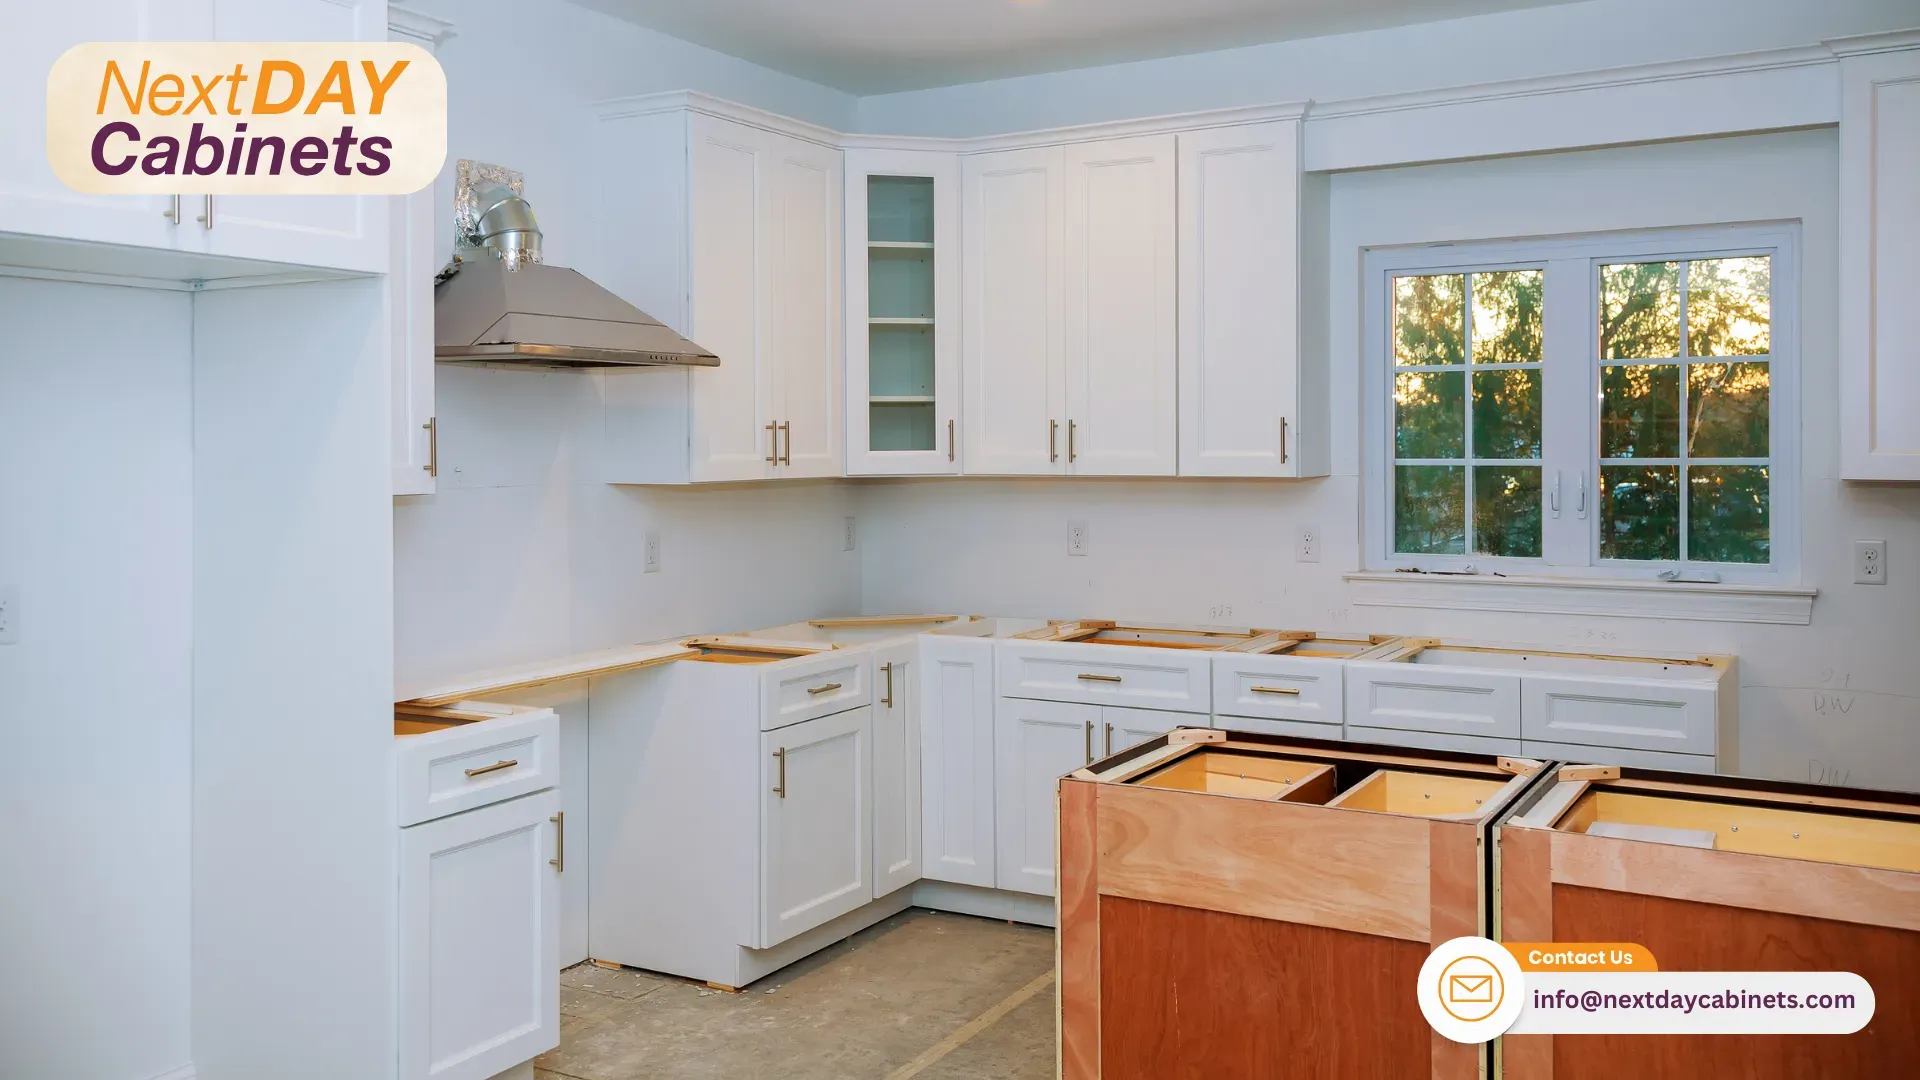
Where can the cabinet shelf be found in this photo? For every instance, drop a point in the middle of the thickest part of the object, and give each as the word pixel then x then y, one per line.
pixel 883 321
pixel 901 399
pixel 900 245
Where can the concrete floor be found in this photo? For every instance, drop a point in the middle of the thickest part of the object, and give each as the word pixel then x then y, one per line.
pixel 924 994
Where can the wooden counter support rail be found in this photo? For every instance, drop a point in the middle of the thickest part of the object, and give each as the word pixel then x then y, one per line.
pixel 505 680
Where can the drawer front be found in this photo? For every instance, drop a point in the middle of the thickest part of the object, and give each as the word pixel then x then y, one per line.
pixel 1613 755
pixel 1143 678
pixel 447 772
pixel 1297 688
pixel 1428 697
pixel 1664 717
pixel 1294 728
pixel 799 690
pixel 1429 740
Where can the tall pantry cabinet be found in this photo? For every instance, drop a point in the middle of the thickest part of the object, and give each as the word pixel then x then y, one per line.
pixel 725 224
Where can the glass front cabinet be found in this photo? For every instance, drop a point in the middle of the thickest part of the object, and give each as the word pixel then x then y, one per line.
pixel 903 312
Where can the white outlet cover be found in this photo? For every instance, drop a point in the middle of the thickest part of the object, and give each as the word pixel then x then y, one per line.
pixel 847 544
pixel 9 614
pixel 653 552
pixel 1306 546
pixel 1079 539
pixel 1869 562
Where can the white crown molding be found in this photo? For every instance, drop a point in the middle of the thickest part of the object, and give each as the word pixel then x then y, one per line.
pixel 1627 599
pixel 418 24
pixel 708 105
pixel 1116 129
pixel 1860 44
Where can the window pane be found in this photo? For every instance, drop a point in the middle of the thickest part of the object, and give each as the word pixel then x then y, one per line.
pixel 1729 306
pixel 1429 319
pixel 1429 409
pixel 1639 311
pixel 1639 512
pixel 1727 513
pixel 1640 411
pixel 1506 510
pixel 1506 316
pixel 1506 413
pixel 1727 410
pixel 1429 509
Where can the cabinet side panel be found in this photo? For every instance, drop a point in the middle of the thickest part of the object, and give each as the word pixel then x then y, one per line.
pixel 1894 234
pixel 1079 937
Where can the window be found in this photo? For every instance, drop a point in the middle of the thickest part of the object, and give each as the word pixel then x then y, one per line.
pixel 1600 406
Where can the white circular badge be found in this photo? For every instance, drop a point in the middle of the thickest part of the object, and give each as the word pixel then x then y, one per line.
pixel 1471 989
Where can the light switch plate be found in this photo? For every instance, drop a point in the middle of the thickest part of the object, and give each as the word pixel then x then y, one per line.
pixel 1869 562
pixel 9 614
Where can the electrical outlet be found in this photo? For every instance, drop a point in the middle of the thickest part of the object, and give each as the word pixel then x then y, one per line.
pixel 847 544
pixel 1307 547
pixel 653 552
pixel 9 614
pixel 1077 538
pixel 1869 562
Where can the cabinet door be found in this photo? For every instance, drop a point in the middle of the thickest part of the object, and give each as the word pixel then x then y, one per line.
pixel 955 684
pixel 1239 300
pixel 33 201
pixel 1120 335
pixel 1015 340
pixel 1880 266
pixel 1121 728
pixel 411 266
pixel 1035 744
pixel 803 266
pixel 347 231
pixel 733 428
pixel 815 860
pixel 896 770
pixel 903 312
pixel 479 940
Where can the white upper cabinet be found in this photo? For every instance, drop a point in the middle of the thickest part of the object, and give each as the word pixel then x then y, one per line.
pixel 1880 266
pixel 1120 335
pixel 1253 367
pixel 743 255
pixel 414 433
pixel 1014 340
pixel 903 312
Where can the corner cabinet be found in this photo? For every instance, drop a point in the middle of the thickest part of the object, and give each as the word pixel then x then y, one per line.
pixel 903 311
pixel 1253 354
pixel 728 229
pixel 1879 267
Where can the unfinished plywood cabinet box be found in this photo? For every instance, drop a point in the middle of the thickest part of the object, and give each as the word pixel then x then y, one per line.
pixel 1796 877
pixel 1232 904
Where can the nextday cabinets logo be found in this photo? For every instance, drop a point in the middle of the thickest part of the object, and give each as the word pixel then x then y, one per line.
pixel 221 118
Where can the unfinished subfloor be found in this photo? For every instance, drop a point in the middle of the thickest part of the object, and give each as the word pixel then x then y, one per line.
pixel 924 994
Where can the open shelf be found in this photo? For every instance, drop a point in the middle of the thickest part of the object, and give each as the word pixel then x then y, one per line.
pixel 900 245
pixel 891 321
pixel 902 413
pixel 900 399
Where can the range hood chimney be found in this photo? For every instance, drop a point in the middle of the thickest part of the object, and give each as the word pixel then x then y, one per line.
pixel 497 303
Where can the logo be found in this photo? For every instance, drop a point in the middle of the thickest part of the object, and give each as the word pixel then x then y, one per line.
pixel 217 118
pixel 1471 989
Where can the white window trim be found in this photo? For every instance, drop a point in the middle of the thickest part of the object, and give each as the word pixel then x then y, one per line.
pixel 1570 317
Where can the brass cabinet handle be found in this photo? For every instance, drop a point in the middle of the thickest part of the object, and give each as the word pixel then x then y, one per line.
pixel 1072 455
pixel 1099 678
pixel 172 213
pixel 887 699
pixel 773 444
pixel 1283 440
pixel 1053 440
pixel 1089 742
pixel 949 440
pixel 495 767
pixel 780 756
pixel 1274 689
pixel 823 689
pixel 1109 740
pixel 433 446
pixel 559 860
pixel 207 218
pixel 787 430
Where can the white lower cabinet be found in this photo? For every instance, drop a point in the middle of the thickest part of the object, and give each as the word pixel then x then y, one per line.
pixel 955 689
pixel 1416 697
pixel 479 939
pixel 896 770
pixel 1122 728
pixel 815 857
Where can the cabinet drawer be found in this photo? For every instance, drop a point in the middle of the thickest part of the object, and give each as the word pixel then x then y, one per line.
pixel 1664 717
pixel 1107 675
pixel 797 690
pixel 1429 740
pixel 1613 755
pixel 1417 697
pixel 1301 689
pixel 488 761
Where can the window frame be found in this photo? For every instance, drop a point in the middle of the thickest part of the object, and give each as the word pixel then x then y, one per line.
pixel 1570 408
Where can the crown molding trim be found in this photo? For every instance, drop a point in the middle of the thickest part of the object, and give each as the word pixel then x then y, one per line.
pixel 418 25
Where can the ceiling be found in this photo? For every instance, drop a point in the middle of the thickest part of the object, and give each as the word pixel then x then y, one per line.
pixel 883 46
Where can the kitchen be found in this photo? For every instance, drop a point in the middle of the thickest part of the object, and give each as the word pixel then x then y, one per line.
pixel 554 525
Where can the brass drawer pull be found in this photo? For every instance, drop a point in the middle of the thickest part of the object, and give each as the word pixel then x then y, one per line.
pixel 1099 678
pixel 559 860
pixel 887 670
pixel 495 767
pixel 823 689
pixel 1274 689
pixel 780 788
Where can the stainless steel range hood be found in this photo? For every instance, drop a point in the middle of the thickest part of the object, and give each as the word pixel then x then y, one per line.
pixel 498 304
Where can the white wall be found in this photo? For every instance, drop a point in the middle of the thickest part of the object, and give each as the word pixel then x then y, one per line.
pixel 96 488
pixel 1506 45
pixel 1838 700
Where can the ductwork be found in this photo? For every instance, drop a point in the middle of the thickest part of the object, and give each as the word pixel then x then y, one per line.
pixel 497 303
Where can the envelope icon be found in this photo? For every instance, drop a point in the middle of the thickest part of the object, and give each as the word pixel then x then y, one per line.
pixel 1470 989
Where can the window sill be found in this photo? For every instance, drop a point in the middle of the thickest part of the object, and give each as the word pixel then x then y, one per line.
pixel 1621 598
